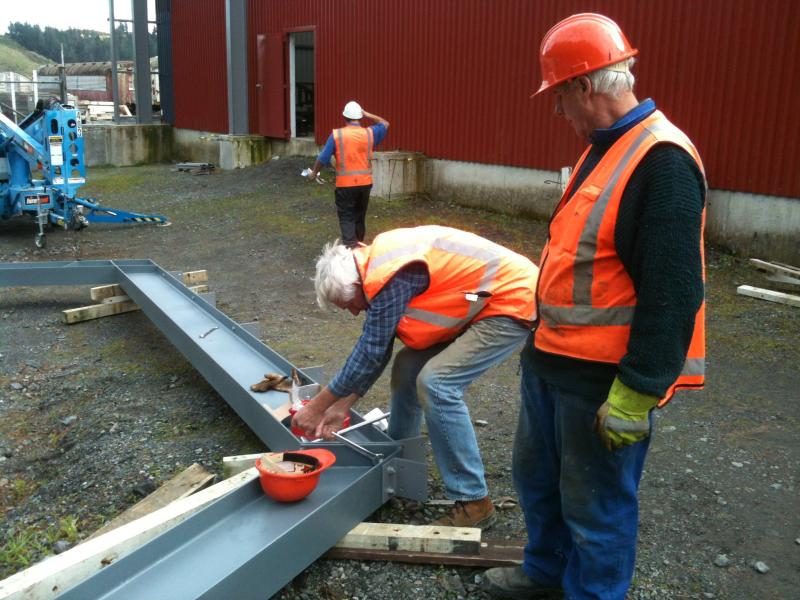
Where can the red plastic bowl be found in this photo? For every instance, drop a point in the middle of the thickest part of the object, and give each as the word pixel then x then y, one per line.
pixel 299 432
pixel 290 487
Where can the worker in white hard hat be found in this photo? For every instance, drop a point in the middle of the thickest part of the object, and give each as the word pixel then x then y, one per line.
pixel 353 146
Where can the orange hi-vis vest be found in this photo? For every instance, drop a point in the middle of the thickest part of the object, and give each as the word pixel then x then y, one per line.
pixel 354 146
pixel 586 299
pixel 471 279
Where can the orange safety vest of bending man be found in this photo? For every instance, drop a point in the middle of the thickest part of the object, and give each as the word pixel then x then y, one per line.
pixel 471 278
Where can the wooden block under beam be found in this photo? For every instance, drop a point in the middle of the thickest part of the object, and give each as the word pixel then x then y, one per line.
pixel 772 296
pixel 194 277
pixel 110 306
pixel 106 291
pixel 413 538
pixel 187 482
pixel 233 465
pixel 493 553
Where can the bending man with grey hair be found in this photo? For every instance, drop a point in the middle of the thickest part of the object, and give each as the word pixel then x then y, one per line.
pixel 460 304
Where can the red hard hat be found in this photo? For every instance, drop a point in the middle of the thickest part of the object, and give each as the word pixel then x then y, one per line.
pixel 581 44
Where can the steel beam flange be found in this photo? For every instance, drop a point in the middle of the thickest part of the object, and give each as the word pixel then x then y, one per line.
pixel 406 479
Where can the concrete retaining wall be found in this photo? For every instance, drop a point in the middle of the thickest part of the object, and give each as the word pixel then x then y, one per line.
pixel 752 225
pixel 756 226
pixel 125 145
pixel 501 189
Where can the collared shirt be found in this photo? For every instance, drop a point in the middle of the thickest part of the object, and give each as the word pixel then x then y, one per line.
pixel 324 158
pixel 373 349
pixel 606 137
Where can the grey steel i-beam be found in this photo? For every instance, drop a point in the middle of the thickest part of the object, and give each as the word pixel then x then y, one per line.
pixel 244 545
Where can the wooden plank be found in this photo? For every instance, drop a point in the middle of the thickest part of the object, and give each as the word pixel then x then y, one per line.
pixel 772 296
pixel 187 482
pixel 413 538
pixel 233 465
pixel 106 291
pixel 789 267
pixel 493 553
pixel 49 578
pixel 776 267
pixel 783 279
pixel 110 306
pixel 194 277
pixel 199 289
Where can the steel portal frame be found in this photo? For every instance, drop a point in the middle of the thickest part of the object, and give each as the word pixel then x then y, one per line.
pixel 244 545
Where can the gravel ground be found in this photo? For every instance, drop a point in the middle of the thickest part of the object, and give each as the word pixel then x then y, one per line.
pixel 96 415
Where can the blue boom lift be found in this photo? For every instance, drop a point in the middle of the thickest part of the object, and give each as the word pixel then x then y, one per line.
pixel 50 139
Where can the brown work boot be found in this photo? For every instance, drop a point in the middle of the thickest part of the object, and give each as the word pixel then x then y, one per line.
pixel 470 513
pixel 513 584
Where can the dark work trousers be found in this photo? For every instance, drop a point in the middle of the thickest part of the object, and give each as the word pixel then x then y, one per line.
pixel 351 206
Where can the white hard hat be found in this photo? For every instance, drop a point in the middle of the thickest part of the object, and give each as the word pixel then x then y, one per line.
pixel 352 110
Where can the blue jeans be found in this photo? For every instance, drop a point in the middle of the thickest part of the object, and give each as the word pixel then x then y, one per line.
pixel 432 382
pixel 579 500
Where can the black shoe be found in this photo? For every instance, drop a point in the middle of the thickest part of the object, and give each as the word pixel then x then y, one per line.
pixel 514 584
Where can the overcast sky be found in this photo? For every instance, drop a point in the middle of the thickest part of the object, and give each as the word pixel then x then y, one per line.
pixel 63 14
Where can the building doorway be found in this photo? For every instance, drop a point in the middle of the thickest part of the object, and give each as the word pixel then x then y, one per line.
pixel 301 84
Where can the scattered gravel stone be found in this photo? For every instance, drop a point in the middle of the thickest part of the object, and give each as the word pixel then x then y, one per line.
pixel 761 567
pixel 62 546
pixel 722 560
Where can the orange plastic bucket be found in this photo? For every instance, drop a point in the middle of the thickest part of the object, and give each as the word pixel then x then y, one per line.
pixel 290 487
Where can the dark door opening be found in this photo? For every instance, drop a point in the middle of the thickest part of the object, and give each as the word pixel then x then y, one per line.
pixel 301 84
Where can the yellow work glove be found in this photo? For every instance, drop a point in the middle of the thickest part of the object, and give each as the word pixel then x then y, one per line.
pixel 623 419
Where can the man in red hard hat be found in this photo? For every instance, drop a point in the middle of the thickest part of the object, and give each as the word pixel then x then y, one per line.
pixel 353 146
pixel 620 327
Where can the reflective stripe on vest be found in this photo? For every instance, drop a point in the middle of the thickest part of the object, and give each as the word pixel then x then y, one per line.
pixel 354 147
pixel 583 313
pixel 575 325
pixel 500 282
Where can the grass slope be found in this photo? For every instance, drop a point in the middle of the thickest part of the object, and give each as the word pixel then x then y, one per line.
pixel 14 57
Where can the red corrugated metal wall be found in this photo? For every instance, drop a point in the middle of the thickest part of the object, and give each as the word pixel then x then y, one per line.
pixel 454 77
pixel 199 65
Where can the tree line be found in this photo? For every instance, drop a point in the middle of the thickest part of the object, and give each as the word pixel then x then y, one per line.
pixel 80 45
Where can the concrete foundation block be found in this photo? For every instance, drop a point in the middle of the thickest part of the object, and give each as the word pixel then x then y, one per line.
pixel 223 151
pixel 398 174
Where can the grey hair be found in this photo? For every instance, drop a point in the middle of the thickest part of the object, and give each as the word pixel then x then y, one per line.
pixel 336 275
pixel 615 79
